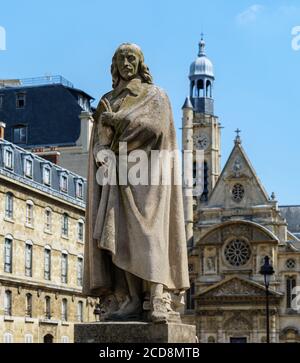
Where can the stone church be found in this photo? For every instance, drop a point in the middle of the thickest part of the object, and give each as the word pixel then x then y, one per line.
pixel 230 229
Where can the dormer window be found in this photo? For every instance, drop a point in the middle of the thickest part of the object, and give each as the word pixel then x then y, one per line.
pixel 46 173
pixel 64 182
pixel 20 100
pixel 20 134
pixel 79 188
pixel 28 167
pixel 8 158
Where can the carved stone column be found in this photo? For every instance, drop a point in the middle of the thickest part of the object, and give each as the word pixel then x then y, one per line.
pixel 220 335
pixel 255 322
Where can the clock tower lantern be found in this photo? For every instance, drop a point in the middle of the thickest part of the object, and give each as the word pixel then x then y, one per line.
pixel 201 131
pixel 198 113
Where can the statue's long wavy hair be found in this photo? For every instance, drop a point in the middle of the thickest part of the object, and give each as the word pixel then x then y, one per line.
pixel 143 70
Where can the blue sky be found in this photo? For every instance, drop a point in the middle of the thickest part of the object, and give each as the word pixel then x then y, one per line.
pixel 257 72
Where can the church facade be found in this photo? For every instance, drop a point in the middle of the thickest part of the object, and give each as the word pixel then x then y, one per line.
pixel 230 229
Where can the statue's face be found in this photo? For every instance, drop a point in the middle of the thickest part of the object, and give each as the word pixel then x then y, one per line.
pixel 127 63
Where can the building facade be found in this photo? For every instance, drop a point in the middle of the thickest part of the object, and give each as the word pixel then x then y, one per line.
pixel 48 116
pixel 231 227
pixel 42 209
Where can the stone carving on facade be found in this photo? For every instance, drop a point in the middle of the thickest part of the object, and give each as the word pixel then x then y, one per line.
pixel 239 230
pixel 238 323
pixel 235 287
pixel 210 257
pixel 237 167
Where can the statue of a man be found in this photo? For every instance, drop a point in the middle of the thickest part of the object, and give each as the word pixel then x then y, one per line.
pixel 135 235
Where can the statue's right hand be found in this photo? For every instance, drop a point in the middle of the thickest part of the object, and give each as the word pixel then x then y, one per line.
pixel 107 118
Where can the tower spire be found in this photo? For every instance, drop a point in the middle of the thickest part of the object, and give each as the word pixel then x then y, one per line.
pixel 201 46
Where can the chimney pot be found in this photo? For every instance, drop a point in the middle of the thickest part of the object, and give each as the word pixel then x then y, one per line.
pixel 2 129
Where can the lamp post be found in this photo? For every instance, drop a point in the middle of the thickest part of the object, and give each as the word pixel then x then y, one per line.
pixel 267 271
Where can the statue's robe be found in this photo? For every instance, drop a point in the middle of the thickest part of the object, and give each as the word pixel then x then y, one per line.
pixel 135 228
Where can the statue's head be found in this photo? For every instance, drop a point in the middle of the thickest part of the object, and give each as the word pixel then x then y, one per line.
pixel 128 63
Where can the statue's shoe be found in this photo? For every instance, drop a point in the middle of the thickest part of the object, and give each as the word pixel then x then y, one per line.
pixel 159 312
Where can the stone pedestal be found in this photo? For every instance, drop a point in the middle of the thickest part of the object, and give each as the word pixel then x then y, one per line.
pixel 134 332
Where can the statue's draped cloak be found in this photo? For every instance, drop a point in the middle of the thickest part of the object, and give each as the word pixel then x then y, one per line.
pixel 135 228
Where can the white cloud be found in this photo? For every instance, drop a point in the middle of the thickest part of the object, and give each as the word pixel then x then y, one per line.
pixel 249 15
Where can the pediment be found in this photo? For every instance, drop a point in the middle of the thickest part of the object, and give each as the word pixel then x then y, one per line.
pixel 238 170
pixel 238 288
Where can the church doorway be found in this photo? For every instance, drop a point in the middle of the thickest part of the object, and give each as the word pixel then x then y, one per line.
pixel 238 340
pixel 48 338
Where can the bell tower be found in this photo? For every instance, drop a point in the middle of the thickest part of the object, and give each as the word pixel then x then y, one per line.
pixel 198 113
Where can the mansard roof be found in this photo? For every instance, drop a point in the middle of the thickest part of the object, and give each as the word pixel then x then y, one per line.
pixel 16 174
pixel 51 113
pixel 292 215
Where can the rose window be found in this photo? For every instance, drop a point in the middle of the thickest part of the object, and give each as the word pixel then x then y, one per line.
pixel 238 192
pixel 237 252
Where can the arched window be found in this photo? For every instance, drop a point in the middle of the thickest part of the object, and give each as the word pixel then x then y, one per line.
pixel 7 338
pixel 29 212
pixel 208 89
pixel 64 310
pixel 28 338
pixel 290 285
pixel 47 263
pixel 200 88
pixel 9 204
pixel 48 338
pixel 65 225
pixel 7 303
pixel 8 254
pixel 194 173
pixel 47 307
pixel 64 267
pixel 204 196
pixel 48 219
pixel 28 312
pixel 193 90
pixel 80 311
pixel 211 339
pixel 65 339
pixel 28 258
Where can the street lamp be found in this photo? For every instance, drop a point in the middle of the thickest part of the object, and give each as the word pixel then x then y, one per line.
pixel 267 271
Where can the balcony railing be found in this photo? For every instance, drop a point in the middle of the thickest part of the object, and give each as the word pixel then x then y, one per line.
pixel 38 81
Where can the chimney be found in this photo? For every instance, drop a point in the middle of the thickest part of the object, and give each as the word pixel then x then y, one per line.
pixel 86 125
pixel 2 129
